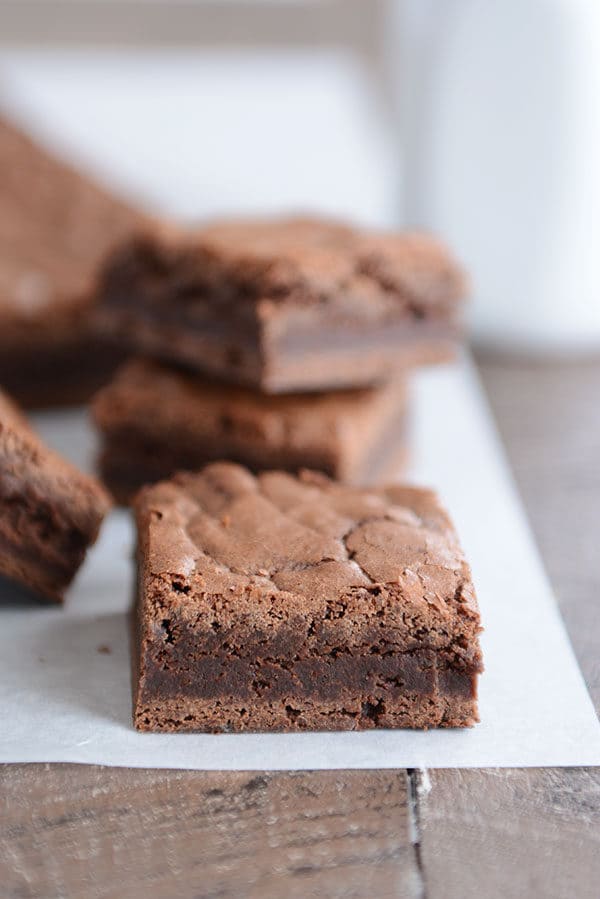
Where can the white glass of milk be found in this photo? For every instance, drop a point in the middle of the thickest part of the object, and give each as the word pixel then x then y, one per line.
pixel 501 100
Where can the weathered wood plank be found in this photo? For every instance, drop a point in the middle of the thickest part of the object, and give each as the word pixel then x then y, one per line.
pixel 73 831
pixel 511 833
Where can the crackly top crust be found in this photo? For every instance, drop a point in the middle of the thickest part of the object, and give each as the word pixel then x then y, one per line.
pixel 228 538
pixel 55 227
pixel 299 260
pixel 28 466
pixel 156 400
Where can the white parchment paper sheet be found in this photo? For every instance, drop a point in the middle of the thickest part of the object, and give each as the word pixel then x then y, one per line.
pixel 65 698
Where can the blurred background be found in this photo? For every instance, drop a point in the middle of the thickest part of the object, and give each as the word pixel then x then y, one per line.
pixel 479 121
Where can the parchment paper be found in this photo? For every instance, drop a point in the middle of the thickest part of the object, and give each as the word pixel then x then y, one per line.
pixel 64 673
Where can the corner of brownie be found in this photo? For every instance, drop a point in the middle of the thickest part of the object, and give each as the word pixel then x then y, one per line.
pixel 277 602
pixel 50 512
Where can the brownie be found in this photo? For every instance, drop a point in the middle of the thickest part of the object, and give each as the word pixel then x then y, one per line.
pixel 55 227
pixel 50 512
pixel 155 420
pixel 276 602
pixel 285 306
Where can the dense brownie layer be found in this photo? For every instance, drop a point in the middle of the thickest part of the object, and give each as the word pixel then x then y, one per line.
pixel 49 511
pixel 282 602
pixel 55 227
pixel 285 306
pixel 156 420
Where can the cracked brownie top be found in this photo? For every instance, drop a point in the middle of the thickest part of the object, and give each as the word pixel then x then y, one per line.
pixel 303 261
pixel 272 547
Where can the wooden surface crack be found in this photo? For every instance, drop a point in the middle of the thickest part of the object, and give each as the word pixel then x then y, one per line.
pixel 413 787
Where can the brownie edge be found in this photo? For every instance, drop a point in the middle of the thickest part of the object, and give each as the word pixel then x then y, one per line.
pixel 50 513
pixel 279 603
pixel 285 306
pixel 155 420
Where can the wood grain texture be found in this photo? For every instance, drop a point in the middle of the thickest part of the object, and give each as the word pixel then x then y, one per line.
pixel 109 833
pixel 511 834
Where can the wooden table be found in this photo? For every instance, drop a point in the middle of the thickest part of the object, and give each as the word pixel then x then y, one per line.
pixel 75 831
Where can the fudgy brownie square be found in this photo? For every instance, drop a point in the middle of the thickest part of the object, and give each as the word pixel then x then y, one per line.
pixel 285 306
pixel 156 420
pixel 275 603
pixel 55 227
pixel 50 512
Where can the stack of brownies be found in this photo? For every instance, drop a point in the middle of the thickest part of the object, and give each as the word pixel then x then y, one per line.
pixel 269 596
pixel 278 345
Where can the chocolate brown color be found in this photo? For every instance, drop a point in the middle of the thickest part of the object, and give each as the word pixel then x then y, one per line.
pixel 50 512
pixel 287 603
pixel 155 420
pixel 285 306
pixel 55 227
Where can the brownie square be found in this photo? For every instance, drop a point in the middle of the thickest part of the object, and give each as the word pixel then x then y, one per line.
pixel 285 306
pixel 277 603
pixel 55 227
pixel 49 511
pixel 156 420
